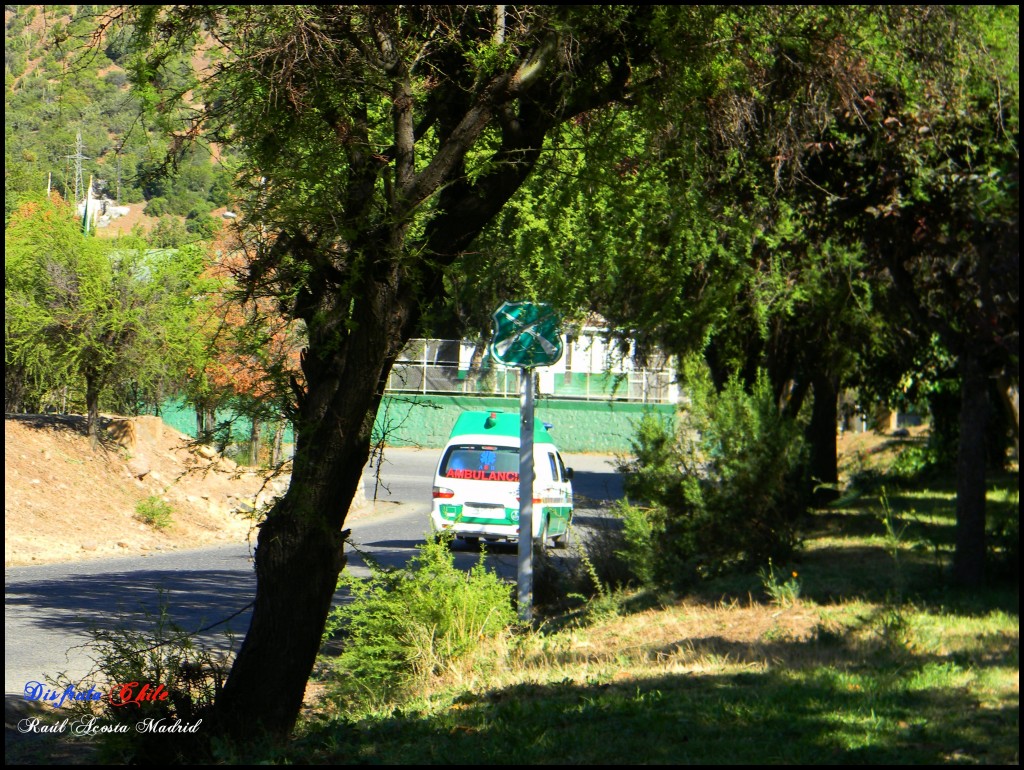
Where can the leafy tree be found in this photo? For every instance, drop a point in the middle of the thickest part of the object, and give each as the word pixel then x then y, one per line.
pixel 250 353
pixel 724 254
pixel 380 142
pixel 45 253
pixel 32 366
pixel 925 175
pixel 748 239
pixel 92 309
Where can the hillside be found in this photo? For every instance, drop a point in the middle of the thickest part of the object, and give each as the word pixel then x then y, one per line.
pixel 63 501
pixel 71 117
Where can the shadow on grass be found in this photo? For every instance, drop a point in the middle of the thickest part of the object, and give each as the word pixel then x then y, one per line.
pixel 861 693
pixel 847 555
pixel 930 514
pixel 869 690
pixel 803 717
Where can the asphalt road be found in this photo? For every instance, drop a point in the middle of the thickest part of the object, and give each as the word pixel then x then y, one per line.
pixel 50 610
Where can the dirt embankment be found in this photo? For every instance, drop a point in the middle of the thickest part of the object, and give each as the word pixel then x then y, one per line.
pixel 65 501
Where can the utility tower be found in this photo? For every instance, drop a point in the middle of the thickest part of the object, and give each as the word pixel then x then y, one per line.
pixel 78 157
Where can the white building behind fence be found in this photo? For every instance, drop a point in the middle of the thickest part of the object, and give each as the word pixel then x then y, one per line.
pixel 592 368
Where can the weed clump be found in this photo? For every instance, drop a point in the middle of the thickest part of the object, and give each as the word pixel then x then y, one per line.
pixel 782 590
pixel 403 626
pixel 159 687
pixel 154 511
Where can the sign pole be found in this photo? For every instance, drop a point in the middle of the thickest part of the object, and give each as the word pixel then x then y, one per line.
pixel 524 573
pixel 526 334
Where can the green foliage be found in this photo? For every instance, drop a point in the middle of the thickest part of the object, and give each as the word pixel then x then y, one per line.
pixel 926 179
pixel 729 490
pixel 169 232
pixel 184 676
pixel 54 283
pixel 403 626
pixel 155 511
pixel 655 466
pixel 783 590
pixel 95 313
pixel 199 224
pixel 914 462
pixel 640 550
pixel 156 207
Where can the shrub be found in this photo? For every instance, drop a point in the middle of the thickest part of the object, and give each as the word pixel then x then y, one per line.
pixel 157 207
pixel 116 78
pixel 405 625
pixel 730 489
pixel 915 462
pixel 603 553
pixel 183 679
pixel 155 511
pixel 168 233
pixel 200 223
pixel 641 526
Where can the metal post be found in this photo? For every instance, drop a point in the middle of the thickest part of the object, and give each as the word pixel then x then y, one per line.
pixel 524 579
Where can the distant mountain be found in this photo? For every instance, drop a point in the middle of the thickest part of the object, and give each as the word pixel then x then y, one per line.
pixel 70 115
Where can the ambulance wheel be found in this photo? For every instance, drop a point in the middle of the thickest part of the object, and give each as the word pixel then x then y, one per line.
pixel 563 540
pixel 469 540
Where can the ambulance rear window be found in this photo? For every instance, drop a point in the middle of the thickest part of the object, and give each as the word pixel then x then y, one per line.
pixel 481 463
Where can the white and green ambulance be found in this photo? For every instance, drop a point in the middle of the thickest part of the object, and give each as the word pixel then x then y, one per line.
pixel 476 487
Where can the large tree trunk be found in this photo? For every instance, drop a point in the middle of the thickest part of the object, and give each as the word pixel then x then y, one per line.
pixel 299 552
pixel 969 557
pixel 821 434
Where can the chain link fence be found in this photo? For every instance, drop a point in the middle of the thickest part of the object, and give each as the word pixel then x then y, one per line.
pixel 591 370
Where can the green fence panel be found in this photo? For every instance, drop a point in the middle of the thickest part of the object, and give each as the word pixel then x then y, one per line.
pixel 578 426
pixel 425 421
